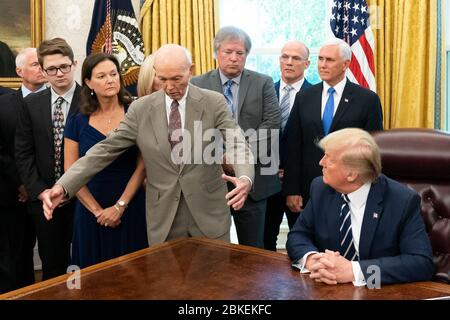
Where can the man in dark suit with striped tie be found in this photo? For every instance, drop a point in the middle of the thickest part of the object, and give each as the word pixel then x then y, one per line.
pixel 359 226
pixel 294 60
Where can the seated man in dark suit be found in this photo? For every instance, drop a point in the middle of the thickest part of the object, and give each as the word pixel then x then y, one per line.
pixel 359 226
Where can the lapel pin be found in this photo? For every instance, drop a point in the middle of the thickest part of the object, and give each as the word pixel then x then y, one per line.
pixel 346 100
pixel 375 215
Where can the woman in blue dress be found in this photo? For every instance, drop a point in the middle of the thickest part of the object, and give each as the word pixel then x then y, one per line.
pixel 110 210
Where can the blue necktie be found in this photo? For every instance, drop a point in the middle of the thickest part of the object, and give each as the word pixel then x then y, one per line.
pixel 327 118
pixel 285 106
pixel 346 237
pixel 229 96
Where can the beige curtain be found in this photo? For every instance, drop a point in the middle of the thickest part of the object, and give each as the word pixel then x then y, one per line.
pixel 406 43
pixel 190 23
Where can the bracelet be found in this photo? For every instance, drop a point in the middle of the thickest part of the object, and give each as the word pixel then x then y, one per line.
pixel 117 208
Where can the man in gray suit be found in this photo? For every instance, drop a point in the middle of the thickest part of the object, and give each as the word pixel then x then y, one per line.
pixel 252 101
pixel 183 198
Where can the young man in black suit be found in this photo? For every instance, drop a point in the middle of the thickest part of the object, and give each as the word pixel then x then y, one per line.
pixel 17 236
pixel 294 60
pixel 39 151
pixel 334 104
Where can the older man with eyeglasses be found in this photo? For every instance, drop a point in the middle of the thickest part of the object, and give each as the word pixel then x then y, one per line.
pixel 39 150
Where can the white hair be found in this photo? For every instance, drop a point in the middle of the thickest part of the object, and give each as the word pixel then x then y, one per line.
pixel 170 47
pixel 21 56
pixel 344 48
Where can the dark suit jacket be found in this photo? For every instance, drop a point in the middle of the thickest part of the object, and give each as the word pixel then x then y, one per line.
pixel 34 147
pixel 358 108
pixel 4 90
pixel 258 109
pixel 10 105
pixel 395 240
pixel 283 136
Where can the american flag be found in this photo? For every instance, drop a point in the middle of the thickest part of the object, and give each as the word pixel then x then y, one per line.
pixel 350 21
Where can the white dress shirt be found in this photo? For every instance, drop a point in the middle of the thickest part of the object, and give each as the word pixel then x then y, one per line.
pixel 234 90
pixel 296 88
pixel 358 200
pixel 26 91
pixel 181 107
pixel 68 96
pixel 339 89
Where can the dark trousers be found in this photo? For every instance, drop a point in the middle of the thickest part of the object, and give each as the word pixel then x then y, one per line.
pixel 276 207
pixel 249 223
pixel 17 240
pixel 54 238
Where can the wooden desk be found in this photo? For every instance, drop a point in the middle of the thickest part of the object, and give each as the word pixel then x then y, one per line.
pixel 205 269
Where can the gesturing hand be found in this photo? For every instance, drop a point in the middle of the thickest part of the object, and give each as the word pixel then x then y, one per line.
pixel 51 198
pixel 236 197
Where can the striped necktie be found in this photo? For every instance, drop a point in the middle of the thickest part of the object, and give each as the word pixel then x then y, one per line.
pixel 285 106
pixel 347 245
pixel 229 96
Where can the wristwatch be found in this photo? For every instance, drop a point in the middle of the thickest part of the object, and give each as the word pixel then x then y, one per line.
pixel 122 204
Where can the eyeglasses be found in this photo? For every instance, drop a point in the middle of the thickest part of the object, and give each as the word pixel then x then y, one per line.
pixel 64 68
pixel 285 58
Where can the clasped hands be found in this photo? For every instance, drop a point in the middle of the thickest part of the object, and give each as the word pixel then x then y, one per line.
pixel 329 267
pixel 109 217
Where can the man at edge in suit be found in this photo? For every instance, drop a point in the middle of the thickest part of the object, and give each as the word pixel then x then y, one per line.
pixel 17 235
pixel 333 104
pixel 294 60
pixel 252 102
pixel 184 198
pixel 39 151
pixel 359 226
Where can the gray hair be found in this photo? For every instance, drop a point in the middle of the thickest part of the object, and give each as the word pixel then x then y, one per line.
pixel 20 58
pixel 231 33
pixel 344 48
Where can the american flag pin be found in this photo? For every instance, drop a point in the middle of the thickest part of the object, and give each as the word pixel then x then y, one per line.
pixel 375 215
pixel 346 100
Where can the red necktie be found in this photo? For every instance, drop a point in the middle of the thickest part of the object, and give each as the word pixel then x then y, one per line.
pixel 174 123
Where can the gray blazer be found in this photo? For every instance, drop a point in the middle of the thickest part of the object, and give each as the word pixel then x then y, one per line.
pixel 257 109
pixel 201 184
